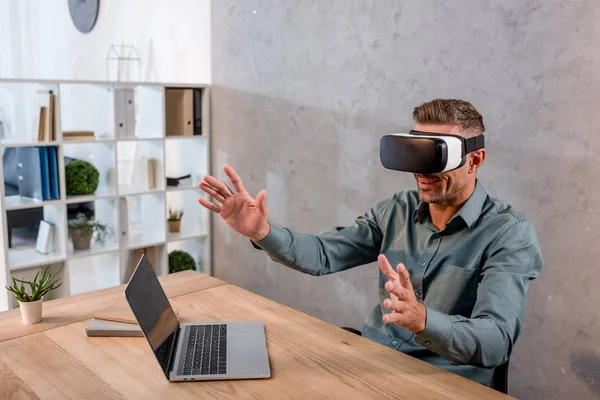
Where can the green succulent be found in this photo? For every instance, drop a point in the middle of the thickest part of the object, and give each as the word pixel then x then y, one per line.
pixel 181 261
pixel 38 288
pixel 81 178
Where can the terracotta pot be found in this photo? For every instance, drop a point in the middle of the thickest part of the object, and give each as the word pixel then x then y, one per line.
pixel 31 311
pixel 81 241
pixel 174 226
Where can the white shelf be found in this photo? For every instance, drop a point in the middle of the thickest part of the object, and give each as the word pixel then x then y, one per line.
pixel 122 201
pixel 27 144
pixel 20 203
pixel 148 238
pixel 180 188
pixel 174 237
pixel 134 192
pixel 184 137
pixel 29 258
pixel 74 254
pixel 85 199
pixel 89 141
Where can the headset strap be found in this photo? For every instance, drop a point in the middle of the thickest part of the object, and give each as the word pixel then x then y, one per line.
pixel 474 143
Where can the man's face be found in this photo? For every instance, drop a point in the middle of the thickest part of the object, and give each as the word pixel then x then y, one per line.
pixel 445 187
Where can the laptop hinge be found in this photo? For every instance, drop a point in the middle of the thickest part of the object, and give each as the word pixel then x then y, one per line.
pixel 172 354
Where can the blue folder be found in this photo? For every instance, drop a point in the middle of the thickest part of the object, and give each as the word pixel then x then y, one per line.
pixel 45 170
pixel 53 160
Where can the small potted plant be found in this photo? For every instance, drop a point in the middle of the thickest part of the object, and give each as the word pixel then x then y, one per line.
pixel 180 260
pixel 82 229
pixel 81 178
pixel 174 220
pixel 31 303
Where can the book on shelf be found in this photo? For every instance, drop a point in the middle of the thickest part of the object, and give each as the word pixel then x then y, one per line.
pixel 45 239
pixel 37 169
pixel 78 135
pixel 46 118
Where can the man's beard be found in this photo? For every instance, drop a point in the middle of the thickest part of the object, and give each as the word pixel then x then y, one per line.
pixel 432 197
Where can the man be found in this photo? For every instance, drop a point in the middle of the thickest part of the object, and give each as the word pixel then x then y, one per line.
pixel 464 260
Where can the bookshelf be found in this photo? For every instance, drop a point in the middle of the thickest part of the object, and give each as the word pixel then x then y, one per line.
pixel 120 128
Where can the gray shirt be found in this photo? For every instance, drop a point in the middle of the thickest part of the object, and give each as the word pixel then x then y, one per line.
pixel 472 276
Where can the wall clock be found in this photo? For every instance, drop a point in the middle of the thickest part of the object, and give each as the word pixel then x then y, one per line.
pixel 84 14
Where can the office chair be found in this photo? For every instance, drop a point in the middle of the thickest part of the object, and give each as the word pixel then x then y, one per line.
pixel 499 379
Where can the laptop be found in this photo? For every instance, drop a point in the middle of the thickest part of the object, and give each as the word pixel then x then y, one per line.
pixel 194 351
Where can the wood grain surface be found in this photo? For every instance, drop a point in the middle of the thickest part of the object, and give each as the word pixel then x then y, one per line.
pixel 309 358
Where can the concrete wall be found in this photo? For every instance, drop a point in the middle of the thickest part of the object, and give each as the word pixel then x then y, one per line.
pixel 304 89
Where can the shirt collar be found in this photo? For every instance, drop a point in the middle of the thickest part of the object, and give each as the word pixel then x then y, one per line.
pixel 469 212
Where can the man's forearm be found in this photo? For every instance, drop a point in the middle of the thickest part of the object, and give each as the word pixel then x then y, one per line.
pixel 474 341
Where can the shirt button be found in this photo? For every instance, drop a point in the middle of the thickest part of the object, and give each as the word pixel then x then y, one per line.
pixel 395 343
pixel 423 264
pixel 427 342
pixel 418 292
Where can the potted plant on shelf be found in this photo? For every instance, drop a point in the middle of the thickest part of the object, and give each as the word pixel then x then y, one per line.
pixel 81 178
pixel 174 220
pixel 82 229
pixel 31 303
pixel 179 260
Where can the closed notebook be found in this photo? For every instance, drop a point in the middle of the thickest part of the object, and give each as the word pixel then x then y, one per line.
pixel 100 327
pixel 118 311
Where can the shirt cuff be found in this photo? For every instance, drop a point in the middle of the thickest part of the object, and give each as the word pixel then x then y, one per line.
pixel 437 331
pixel 274 241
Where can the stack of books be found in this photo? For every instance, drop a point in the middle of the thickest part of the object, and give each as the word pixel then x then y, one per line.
pixel 38 172
pixel 78 135
pixel 185 180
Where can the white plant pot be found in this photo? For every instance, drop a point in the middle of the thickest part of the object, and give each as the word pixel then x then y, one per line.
pixel 31 312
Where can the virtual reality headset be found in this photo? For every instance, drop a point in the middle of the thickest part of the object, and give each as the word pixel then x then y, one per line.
pixel 426 152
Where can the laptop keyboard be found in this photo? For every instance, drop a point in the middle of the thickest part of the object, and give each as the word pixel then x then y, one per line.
pixel 206 350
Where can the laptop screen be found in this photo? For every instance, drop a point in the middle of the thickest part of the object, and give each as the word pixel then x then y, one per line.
pixel 152 310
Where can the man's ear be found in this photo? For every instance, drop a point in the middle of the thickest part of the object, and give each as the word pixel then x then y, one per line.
pixel 477 159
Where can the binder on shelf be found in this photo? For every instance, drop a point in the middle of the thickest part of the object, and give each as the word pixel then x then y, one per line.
pixel 124 113
pixel 179 112
pixel 29 172
pixel 54 183
pixel 45 171
pixel 197 111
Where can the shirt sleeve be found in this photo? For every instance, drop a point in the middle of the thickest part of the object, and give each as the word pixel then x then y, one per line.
pixel 487 338
pixel 335 250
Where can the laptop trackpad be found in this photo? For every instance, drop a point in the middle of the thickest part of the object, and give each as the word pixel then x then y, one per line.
pixel 247 356
pixel 246 328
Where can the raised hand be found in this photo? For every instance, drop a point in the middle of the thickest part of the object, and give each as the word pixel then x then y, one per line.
pixel 238 209
pixel 407 312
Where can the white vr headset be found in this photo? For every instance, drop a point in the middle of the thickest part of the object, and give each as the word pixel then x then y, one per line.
pixel 426 152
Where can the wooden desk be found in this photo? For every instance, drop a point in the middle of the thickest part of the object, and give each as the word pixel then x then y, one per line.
pixel 310 359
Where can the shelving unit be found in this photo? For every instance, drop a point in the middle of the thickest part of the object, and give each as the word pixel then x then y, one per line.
pixel 128 200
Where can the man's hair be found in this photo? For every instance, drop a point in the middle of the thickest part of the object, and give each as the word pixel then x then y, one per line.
pixel 453 112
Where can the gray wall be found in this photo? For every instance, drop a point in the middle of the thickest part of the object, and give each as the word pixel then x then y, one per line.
pixel 304 89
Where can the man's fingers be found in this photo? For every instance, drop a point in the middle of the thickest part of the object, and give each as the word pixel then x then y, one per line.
pixel 261 200
pixel 394 305
pixel 219 186
pixel 393 318
pixel 386 267
pixel 210 205
pixel 404 276
pixel 211 191
pixel 396 290
pixel 234 178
